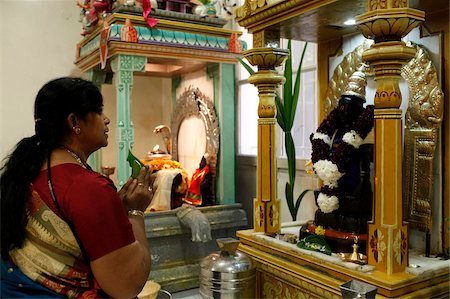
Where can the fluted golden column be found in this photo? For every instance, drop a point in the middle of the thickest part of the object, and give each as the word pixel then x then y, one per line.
pixel 266 79
pixel 386 22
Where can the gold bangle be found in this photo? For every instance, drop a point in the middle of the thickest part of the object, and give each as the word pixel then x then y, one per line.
pixel 136 213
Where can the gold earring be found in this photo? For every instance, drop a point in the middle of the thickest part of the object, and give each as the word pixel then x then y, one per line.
pixel 77 130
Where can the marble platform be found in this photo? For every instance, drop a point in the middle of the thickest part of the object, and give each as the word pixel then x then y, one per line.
pixel 175 258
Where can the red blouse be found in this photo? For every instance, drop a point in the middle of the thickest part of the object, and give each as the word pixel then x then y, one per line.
pixel 90 202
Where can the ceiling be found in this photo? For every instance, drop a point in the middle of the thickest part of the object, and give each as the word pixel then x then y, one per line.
pixel 168 67
pixel 327 22
pixel 318 25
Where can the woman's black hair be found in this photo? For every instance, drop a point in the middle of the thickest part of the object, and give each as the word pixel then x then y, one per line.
pixel 54 102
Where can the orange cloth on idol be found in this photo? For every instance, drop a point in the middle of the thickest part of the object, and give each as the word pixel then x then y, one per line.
pixel 194 196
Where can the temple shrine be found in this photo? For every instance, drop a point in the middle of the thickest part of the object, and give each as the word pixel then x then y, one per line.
pixel 373 195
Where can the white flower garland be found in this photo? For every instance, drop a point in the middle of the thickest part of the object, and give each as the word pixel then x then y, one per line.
pixel 325 168
pixel 352 138
pixel 323 137
pixel 328 172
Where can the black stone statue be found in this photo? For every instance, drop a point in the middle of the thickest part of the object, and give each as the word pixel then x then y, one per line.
pixel 342 153
pixel 354 187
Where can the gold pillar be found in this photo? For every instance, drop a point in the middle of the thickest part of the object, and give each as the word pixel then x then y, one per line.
pixel 266 79
pixel 386 22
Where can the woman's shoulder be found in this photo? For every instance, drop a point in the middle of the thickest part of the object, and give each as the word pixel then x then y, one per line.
pixel 81 177
pixel 76 170
pixel 80 187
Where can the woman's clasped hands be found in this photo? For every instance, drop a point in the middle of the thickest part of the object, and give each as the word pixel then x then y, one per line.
pixel 137 194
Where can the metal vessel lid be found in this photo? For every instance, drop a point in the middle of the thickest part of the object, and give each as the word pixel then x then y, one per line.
pixel 229 259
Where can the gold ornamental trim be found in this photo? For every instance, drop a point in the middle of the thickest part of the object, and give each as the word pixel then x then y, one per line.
pixel 176 25
pixel 392 13
pixel 267 121
pixel 426 99
pixel 420 146
pixel 266 81
pixel 274 287
pixel 115 48
pixel 299 270
pixel 383 4
pixel 341 74
pixel 387 243
pixel 384 56
pixel 273 216
pixel 259 215
pixel 256 15
pixel 389 24
pixel 162 24
pixel 423 118
pixel 266 58
pixel 388 113
pixel 307 280
pixel 172 52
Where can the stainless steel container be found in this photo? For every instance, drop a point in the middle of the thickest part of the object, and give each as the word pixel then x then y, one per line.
pixel 227 274
pixel 354 289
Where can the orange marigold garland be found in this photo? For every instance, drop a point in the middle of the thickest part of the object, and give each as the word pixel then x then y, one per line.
pixel 158 164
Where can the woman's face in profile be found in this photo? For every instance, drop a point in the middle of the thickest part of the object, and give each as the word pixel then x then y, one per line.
pixel 94 130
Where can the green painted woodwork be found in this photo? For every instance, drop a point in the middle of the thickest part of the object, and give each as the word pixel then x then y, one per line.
pixel 91 46
pixel 170 37
pixel 223 76
pixel 213 72
pixel 98 78
pixel 176 81
pixel 123 67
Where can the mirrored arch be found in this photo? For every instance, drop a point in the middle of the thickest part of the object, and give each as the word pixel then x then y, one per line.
pixel 195 129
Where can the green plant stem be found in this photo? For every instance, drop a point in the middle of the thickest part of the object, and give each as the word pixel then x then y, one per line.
pixel 286 111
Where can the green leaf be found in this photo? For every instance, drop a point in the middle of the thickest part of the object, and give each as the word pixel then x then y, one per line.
pixel 300 198
pixel 295 96
pixel 246 66
pixel 287 89
pixel 204 2
pixel 288 191
pixel 135 164
pixel 315 243
pixel 290 152
pixel 287 110
pixel 280 112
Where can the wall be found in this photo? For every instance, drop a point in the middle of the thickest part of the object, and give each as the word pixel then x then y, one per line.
pixel 148 110
pixel 246 188
pixel 198 79
pixel 246 184
pixel 38 44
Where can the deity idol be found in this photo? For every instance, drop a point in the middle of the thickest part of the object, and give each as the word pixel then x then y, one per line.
pixel 342 150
